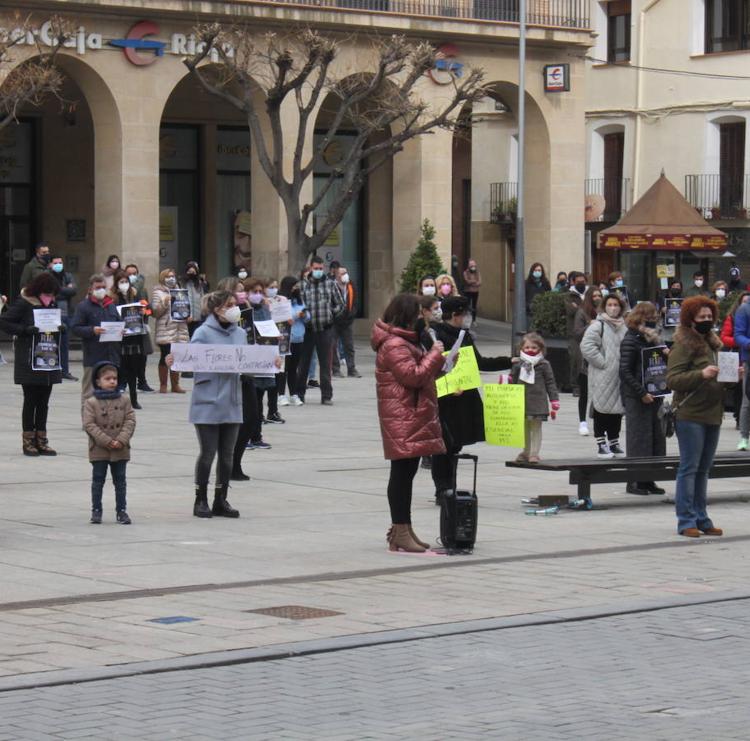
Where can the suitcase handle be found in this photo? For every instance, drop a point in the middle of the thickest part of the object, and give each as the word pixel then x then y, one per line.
pixel 464 457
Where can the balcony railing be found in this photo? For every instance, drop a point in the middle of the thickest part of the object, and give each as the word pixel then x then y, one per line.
pixel 723 196
pixel 554 13
pixel 616 194
pixel 503 202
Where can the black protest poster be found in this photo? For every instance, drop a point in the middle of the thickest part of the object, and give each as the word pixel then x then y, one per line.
pixel 622 293
pixel 285 340
pixel 133 316
pixel 655 370
pixel 179 304
pixel 672 308
pixel 46 352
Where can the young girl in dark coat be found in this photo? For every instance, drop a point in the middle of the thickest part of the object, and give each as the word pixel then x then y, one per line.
pixel 541 393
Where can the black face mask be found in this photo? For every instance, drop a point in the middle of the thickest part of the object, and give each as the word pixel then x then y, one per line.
pixel 676 293
pixel 581 289
pixel 44 259
pixel 704 327
pixel 650 325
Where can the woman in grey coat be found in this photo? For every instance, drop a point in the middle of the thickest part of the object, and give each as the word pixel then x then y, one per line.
pixel 216 406
pixel 600 348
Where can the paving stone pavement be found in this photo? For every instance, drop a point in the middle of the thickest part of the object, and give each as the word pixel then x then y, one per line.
pixel 670 674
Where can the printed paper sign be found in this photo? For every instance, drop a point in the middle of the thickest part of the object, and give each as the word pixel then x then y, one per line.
pixel 253 359
pixel 464 376
pixel 654 365
pixel 281 311
pixel 285 339
pixel 450 358
pixel 132 316
pixel 672 308
pixel 266 328
pixel 504 414
pixel 179 307
pixel 46 354
pixel 47 320
pixel 729 367
pixel 113 331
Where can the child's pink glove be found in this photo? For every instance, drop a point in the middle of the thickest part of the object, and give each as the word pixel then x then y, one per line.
pixel 555 406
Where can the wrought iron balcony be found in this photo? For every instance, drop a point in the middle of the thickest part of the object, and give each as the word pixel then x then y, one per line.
pixel 554 13
pixel 723 196
pixel 616 195
pixel 503 203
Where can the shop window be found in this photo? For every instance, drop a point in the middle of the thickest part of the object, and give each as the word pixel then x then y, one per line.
pixel 618 31
pixel 727 25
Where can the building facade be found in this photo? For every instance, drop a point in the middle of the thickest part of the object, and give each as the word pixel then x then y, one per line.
pixel 134 159
pixel 666 90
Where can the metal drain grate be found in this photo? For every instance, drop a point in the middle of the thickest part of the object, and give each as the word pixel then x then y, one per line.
pixel 295 612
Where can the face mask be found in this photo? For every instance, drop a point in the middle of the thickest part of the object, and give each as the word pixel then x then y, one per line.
pixel 676 292
pixel 58 267
pixel 114 265
pixel 255 298
pixel 698 283
pixel 597 301
pixel 123 287
pixel 428 290
pixel 345 278
pixel 46 298
pixel 651 324
pixel 99 293
pixel 619 283
pixel 472 270
pixel 317 274
pixel 242 274
pixel 241 297
pixel 133 279
pixel 170 282
pixel 272 292
pixel 232 314
pixel 446 289
pixel 613 311
pixel 605 293
pixel 466 324
pixel 704 327
pixel 44 259
pixel 531 351
pixel 720 293
pixel 537 274
pixel 561 282
pixel 437 314
pixel 192 273
pixel 581 288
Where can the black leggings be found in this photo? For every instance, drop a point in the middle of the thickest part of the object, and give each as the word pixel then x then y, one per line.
pixel 473 301
pixel 130 366
pixel 35 407
pixel 583 396
pixel 292 363
pixel 400 483
pixel 250 429
pixel 273 401
pixel 607 424
pixel 215 439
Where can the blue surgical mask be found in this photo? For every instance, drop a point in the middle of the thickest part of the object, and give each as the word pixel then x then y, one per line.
pixel 317 274
pixel 58 267
pixel 272 292
pixel 619 283
pixel 537 274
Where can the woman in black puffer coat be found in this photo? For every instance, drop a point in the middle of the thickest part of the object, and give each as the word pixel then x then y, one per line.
pixel 37 384
pixel 644 436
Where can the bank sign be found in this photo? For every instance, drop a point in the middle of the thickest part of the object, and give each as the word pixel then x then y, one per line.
pixel 139 46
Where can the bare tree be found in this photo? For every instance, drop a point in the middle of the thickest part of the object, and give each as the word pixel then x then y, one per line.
pixel 30 82
pixel 259 75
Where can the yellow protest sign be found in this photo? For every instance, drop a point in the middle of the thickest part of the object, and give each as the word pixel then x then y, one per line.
pixel 504 414
pixel 464 376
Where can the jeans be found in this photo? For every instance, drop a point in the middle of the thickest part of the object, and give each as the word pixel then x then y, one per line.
pixel 322 342
pixel 99 476
pixel 344 333
pixel 215 439
pixel 744 416
pixel 697 447
pixel 35 407
pixel 400 488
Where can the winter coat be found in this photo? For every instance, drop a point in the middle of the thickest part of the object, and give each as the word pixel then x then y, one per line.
pixel 690 354
pixel 105 420
pixel 727 333
pixel 631 366
pixel 298 328
pixel 573 301
pixel 541 392
pixel 462 417
pixel 30 271
pixel 742 331
pixel 90 314
pixel 18 320
pixel 407 399
pixel 533 289
pixel 68 289
pixel 167 329
pixel 472 281
pixel 600 348
pixel 217 397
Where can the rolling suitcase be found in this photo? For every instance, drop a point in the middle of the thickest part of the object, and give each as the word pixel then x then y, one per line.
pixel 458 512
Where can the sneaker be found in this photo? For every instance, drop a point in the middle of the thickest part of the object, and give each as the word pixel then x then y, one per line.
pixel 354 374
pixel 602 451
pixel 583 429
pixel 250 446
pixel 616 450
pixel 260 445
pixel 123 518
pixel 96 517
pixel 295 401
pixel 275 419
pixel 313 384
pixel 337 374
pixel 327 402
pixel 742 444
pixel 283 401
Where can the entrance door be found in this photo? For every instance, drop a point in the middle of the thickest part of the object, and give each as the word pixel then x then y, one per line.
pixel 614 148
pixel 732 168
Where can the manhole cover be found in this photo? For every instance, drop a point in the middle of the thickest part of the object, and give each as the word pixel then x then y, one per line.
pixel 295 612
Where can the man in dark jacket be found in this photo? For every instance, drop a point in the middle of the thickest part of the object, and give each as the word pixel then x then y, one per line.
pixel 462 413
pixel 343 326
pixel 35 266
pixel 67 290
pixel 96 308
pixel 573 301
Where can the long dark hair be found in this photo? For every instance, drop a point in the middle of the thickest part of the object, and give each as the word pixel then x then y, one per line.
pixel 403 311
pixel 287 286
pixel 531 279
pixel 587 305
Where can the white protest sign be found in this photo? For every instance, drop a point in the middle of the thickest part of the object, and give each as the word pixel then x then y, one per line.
pixel 47 320
pixel 113 331
pixel 281 311
pixel 729 367
pixel 254 359
pixel 267 328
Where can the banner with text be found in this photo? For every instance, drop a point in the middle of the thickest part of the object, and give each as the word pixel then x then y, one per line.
pixel 504 414
pixel 464 376
pixel 255 359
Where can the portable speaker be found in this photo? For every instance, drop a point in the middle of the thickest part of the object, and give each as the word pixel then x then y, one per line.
pixel 458 512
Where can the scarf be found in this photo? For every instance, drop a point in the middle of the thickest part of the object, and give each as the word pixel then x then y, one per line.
pixel 102 394
pixel 527 373
pixel 650 334
pixel 614 321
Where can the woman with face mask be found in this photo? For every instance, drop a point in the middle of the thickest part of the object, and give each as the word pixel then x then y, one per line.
pixel 446 286
pixel 472 284
pixel 600 348
pixel 132 349
pixel 110 267
pixel 197 288
pixel 699 398
pixel 427 286
pixel 168 330
pixel 216 407
pixel 587 313
pixel 645 437
pixel 536 283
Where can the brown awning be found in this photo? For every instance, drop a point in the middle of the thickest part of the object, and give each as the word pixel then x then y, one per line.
pixel 662 220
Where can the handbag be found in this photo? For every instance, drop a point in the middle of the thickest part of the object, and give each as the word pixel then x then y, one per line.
pixel 667 414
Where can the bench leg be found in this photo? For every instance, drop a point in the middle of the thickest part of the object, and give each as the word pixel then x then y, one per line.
pixel 584 492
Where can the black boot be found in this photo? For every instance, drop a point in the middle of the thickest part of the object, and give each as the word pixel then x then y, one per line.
pixel 200 508
pixel 221 507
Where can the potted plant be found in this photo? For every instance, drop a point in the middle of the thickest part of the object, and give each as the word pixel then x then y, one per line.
pixel 548 318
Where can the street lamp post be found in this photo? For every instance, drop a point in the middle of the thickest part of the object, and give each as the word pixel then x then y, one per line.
pixel 519 281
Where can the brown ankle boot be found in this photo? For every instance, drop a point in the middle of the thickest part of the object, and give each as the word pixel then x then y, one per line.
pixel 42 443
pixel 28 444
pixel 174 377
pixel 414 537
pixel 163 375
pixel 399 539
